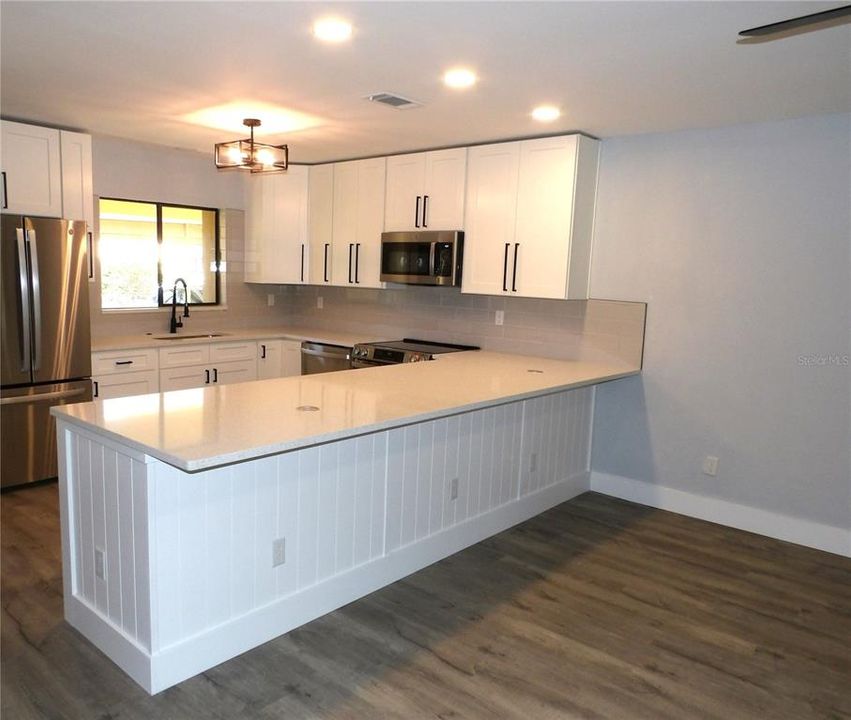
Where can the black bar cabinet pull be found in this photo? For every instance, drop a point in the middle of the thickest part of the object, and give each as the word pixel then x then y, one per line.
pixel 505 269
pixel 325 269
pixel 357 261
pixel 417 213
pixel 302 262
pixel 91 257
pixel 123 362
pixel 96 388
pixel 425 211
pixel 215 375
pixel 5 192
pixel 262 352
pixel 514 271
pixel 207 381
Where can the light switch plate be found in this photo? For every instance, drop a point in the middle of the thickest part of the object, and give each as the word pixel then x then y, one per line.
pixel 499 317
pixel 270 299
pixel 279 552
pixel 710 465
pixel 320 302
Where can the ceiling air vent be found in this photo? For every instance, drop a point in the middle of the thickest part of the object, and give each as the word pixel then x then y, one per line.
pixel 394 101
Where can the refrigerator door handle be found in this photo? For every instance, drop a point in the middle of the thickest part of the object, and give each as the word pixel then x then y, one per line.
pixel 58 395
pixel 31 238
pixel 23 287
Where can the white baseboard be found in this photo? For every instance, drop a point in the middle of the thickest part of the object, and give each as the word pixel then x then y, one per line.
pixel 782 527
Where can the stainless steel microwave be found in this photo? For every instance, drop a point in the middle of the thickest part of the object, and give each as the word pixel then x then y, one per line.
pixel 428 257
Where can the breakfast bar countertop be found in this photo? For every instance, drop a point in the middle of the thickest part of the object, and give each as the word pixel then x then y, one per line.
pixel 207 427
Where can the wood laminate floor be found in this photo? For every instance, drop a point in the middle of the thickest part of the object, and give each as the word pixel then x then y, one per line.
pixel 598 608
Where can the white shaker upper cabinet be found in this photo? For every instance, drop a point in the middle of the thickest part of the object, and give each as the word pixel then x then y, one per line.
pixel 530 210
pixel 320 212
pixel 276 227
pixel 490 219
pixel 32 171
pixel 358 221
pixel 425 191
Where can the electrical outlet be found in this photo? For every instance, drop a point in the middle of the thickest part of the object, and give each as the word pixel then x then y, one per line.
pixel 533 463
pixel 499 317
pixel 453 489
pixel 710 465
pixel 99 564
pixel 320 302
pixel 279 552
pixel 270 300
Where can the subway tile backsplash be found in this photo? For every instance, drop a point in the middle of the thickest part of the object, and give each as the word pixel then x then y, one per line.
pixel 568 329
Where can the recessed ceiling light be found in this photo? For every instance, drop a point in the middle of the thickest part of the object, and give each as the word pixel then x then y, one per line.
pixel 332 29
pixel 459 78
pixel 546 113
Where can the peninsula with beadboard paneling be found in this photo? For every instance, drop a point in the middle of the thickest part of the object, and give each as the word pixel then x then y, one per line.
pixel 200 523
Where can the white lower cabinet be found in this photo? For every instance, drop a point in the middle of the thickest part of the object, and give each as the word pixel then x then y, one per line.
pixel 190 366
pixel 119 373
pixel 278 358
pixel 105 387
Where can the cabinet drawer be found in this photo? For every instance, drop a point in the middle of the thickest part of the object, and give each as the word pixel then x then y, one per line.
pixel 227 352
pixel 184 355
pixel 183 378
pixel 126 383
pixel 122 361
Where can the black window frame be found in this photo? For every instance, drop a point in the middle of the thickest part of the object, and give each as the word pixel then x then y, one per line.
pixel 217 251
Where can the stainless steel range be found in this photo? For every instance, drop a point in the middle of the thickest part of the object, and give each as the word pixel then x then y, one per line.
pixel 401 351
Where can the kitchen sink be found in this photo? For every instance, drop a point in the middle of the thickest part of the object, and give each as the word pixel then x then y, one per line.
pixel 190 337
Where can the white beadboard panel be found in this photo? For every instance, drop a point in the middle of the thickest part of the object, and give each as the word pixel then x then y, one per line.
pixel 308 516
pixel 326 534
pixel 362 501
pixel 192 532
pixel 425 461
pixel 124 482
pixel 217 559
pixel 345 523
pixel 265 511
pixel 242 529
pixel 112 561
pixel 395 487
pixel 98 522
pixel 141 555
pixel 287 523
pixel 410 457
pixel 167 557
pixel 87 543
pixel 379 471
pixel 450 505
pixel 462 505
pixel 439 489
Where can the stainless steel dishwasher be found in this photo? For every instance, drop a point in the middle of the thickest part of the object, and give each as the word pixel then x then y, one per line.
pixel 323 357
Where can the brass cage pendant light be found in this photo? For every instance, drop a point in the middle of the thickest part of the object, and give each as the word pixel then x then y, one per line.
pixel 247 154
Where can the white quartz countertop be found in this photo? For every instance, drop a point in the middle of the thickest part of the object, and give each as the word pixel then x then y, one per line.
pixel 207 427
pixel 131 342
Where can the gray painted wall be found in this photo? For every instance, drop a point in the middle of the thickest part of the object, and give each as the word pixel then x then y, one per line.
pixel 739 240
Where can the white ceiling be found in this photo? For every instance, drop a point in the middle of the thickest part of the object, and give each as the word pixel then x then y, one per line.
pixel 131 69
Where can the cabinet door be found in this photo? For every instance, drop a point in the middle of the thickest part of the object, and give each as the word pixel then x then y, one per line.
pixel 406 176
pixel 370 223
pixel 490 217
pixel 445 182
pixel 183 378
pixel 125 384
pixel 277 227
pixel 269 359
pixel 77 194
pixel 344 223
pixel 291 358
pixel 32 174
pixel 320 203
pixel 234 372
pixel 544 217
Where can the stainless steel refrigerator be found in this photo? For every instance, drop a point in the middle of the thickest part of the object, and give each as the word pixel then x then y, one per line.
pixel 46 342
